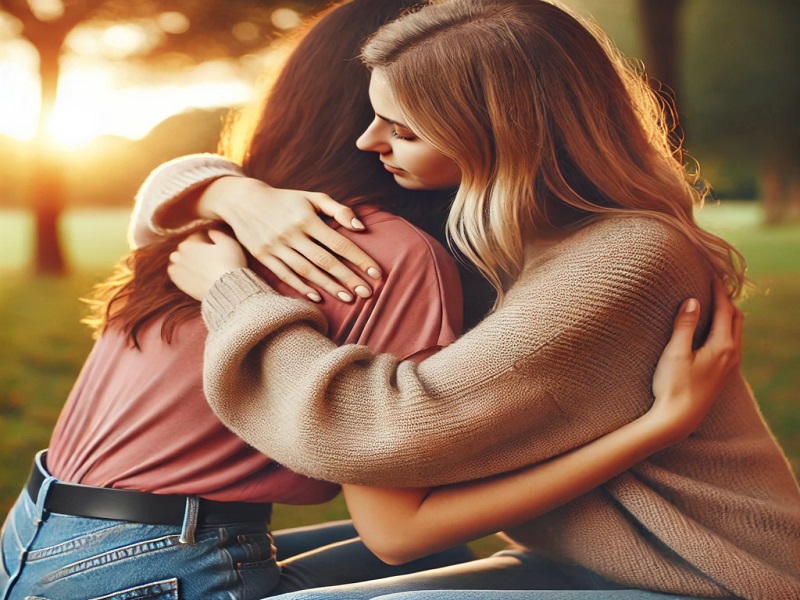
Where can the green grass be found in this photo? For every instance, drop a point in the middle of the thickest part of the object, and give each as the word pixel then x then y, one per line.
pixel 771 359
pixel 44 345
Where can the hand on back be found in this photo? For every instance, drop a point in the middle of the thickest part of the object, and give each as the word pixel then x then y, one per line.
pixel 282 230
pixel 687 381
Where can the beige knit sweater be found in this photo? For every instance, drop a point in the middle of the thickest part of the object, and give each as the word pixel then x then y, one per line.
pixel 568 357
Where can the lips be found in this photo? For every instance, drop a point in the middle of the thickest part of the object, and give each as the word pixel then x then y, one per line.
pixel 392 169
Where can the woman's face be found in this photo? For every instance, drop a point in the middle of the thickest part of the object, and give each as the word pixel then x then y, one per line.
pixel 415 164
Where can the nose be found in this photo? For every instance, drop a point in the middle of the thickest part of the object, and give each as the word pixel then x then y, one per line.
pixel 375 138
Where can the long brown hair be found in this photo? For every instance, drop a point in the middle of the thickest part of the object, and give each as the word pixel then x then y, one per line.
pixel 302 137
pixel 550 125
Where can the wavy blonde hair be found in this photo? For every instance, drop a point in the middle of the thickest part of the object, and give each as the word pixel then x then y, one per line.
pixel 550 125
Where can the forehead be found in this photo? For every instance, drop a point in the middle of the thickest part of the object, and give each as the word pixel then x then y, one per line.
pixel 381 98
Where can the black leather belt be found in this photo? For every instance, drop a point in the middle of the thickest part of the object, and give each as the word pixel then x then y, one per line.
pixel 137 507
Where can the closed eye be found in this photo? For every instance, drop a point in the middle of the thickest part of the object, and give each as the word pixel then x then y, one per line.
pixel 402 135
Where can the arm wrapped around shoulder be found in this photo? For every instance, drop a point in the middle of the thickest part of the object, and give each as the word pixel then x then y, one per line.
pixel 166 190
pixel 568 357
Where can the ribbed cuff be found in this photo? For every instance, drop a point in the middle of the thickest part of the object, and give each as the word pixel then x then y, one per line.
pixel 228 293
pixel 170 182
pixel 176 180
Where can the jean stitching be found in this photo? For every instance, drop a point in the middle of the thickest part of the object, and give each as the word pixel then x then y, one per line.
pixel 12 527
pixel 157 589
pixel 72 544
pixel 112 556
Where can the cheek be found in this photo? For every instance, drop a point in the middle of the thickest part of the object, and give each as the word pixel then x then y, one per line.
pixel 451 174
pixel 426 168
pixel 442 171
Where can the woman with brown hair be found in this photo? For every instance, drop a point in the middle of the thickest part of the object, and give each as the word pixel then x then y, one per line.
pixel 143 492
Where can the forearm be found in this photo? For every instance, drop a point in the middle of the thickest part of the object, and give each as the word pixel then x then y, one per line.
pixel 547 372
pixel 402 525
pixel 167 200
pixel 346 414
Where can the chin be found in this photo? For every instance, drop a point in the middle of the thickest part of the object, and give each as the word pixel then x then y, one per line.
pixel 409 184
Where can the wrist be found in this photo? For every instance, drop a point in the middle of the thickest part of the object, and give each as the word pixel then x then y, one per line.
pixel 217 197
pixel 662 428
pixel 220 199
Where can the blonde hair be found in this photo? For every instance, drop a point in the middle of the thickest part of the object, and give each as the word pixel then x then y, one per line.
pixel 550 126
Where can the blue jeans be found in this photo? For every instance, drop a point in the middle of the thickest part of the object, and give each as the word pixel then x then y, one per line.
pixel 56 557
pixel 533 595
pixel 507 575
pixel 330 554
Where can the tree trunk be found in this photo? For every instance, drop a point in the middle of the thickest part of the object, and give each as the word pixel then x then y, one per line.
pixel 793 199
pixel 660 22
pixel 48 189
pixel 772 194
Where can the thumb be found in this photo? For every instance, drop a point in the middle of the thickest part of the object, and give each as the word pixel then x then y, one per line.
pixel 685 325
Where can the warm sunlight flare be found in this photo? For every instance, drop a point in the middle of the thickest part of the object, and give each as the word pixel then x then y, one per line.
pixel 94 100
pixel 19 92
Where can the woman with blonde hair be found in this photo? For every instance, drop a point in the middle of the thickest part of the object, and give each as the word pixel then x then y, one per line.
pixel 572 204
pixel 144 493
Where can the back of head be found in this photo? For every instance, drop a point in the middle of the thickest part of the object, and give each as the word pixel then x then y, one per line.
pixel 303 138
pixel 549 124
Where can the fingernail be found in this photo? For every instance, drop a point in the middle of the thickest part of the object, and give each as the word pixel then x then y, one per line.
pixel 357 224
pixel 362 291
pixel 345 296
pixel 374 273
pixel 314 297
pixel 691 306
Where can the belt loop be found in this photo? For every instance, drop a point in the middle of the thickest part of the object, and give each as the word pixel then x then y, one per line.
pixel 190 520
pixel 41 501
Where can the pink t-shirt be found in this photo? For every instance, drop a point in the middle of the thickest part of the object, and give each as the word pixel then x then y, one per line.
pixel 139 419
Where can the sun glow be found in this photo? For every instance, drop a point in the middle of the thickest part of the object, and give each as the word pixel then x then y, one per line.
pixel 97 99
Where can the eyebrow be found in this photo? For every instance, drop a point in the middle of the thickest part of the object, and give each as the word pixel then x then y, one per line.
pixel 391 122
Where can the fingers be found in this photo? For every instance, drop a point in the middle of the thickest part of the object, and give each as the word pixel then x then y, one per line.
pixel 314 263
pixel 724 344
pixel 684 327
pixel 738 321
pixel 722 332
pixel 342 214
pixel 342 246
pixel 290 278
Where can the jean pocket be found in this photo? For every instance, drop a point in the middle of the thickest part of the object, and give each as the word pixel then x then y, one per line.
pixel 160 590
pixel 140 552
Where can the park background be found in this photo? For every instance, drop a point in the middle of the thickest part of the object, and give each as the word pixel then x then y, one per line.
pixel 94 94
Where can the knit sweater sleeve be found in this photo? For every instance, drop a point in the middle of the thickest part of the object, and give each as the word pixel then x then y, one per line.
pixel 567 358
pixel 166 187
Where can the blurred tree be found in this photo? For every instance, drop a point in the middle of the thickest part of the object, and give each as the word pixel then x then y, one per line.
pixel 743 92
pixel 176 30
pixel 660 23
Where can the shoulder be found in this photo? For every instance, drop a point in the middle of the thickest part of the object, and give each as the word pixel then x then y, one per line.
pixel 635 238
pixel 638 248
pixel 400 248
pixel 639 266
pixel 420 286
